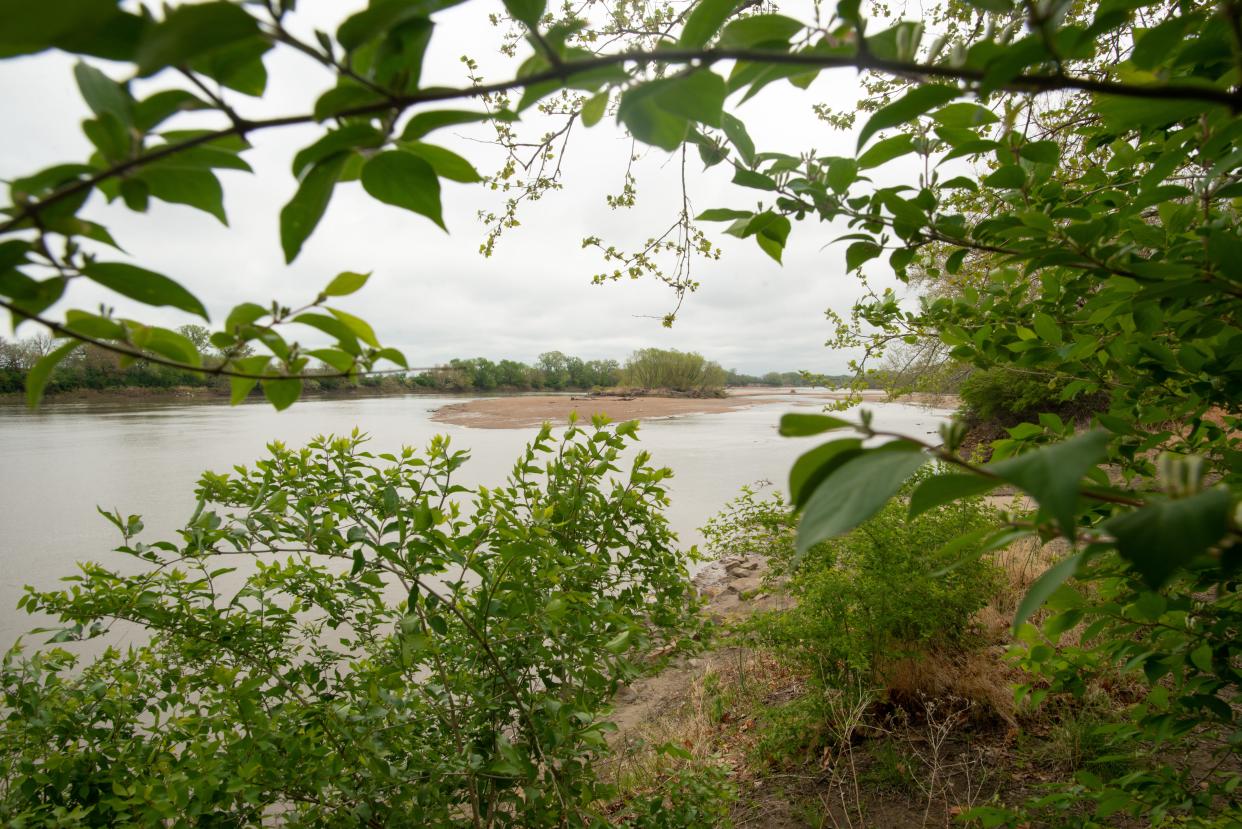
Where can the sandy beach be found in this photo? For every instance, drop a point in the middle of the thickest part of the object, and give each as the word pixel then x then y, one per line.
pixel 531 410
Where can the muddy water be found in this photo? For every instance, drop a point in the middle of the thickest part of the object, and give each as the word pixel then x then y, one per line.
pixel 62 461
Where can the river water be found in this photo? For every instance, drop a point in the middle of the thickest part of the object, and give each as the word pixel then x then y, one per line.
pixel 60 462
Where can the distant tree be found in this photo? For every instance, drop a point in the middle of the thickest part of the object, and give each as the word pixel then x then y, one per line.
pixel 555 368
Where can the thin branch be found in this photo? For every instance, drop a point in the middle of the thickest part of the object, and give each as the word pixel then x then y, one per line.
pixel 1037 83
pixel 221 370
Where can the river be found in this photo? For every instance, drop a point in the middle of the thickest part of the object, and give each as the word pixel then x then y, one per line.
pixel 61 461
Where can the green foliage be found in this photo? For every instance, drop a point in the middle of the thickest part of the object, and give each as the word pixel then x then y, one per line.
pixel 880 591
pixel 688 794
pixel 338 638
pixel 1006 397
pixel 1165 756
pixel 657 368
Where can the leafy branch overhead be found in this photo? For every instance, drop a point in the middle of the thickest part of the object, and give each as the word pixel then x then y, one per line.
pixel 378 113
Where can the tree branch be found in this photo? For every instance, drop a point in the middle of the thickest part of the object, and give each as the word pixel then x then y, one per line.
pixel 1037 83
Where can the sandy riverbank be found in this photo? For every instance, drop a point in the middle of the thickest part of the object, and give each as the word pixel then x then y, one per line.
pixel 531 410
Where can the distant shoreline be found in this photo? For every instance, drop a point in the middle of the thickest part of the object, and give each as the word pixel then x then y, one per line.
pixel 503 409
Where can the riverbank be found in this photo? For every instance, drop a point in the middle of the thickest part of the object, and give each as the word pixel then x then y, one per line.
pixel 523 411
pixel 532 410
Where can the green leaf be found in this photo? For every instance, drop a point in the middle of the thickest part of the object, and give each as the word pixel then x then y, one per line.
pixel 526 11
pixel 749 178
pixel 392 355
pixel 153 111
pixel 345 97
pixel 1009 177
pixel 166 343
pixel 1122 113
pixel 238 66
pixel 102 94
pixel 190 31
pixel 859 253
pixel 41 372
pixel 1046 327
pixel 1045 586
pixel 885 151
pixel 147 287
pixel 348 137
pixel 93 325
pixel 698 96
pixel 759 30
pixel 334 357
pixel 334 328
pixel 282 393
pixel 813 467
pixel 1051 474
pixel 405 180
pixel 360 327
pixel 911 105
pixel 447 164
pixel 196 188
pixel 618 643
pixel 1154 45
pixel 381 17
pixel 722 214
pixel 942 489
pixel 1041 152
pixel 856 491
pixel 964 115
pixel 428 122
pixel 649 122
pixel 1167 534
pixel 346 283
pixel 799 425
pixel 244 314
pixel 301 215
pixel 704 21
pixel 735 131
pixel 240 387
pixel 87 27
pixel 593 110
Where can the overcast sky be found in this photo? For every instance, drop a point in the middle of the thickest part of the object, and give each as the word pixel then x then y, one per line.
pixel 432 294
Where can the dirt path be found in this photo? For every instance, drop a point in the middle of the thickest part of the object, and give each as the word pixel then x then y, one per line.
pixel 734 589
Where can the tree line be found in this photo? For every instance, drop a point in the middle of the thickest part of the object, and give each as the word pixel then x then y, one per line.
pixel 97 369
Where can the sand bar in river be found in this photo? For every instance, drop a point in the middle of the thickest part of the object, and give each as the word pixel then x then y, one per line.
pixel 522 411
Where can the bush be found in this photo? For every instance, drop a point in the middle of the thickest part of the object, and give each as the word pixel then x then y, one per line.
pixel 1005 397
pixel 656 368
pixel 688 795
pixel 335 639
pixel 866 599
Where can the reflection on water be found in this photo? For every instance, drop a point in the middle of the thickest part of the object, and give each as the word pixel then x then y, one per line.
pixel 63 460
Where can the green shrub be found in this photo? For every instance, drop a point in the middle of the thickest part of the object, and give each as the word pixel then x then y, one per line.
pixel 658 368
pixel 885 589
pixel 1007 397
pixel 689 795
pixel 337 640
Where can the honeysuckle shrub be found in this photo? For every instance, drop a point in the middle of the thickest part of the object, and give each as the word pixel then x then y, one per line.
pixel 340 637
